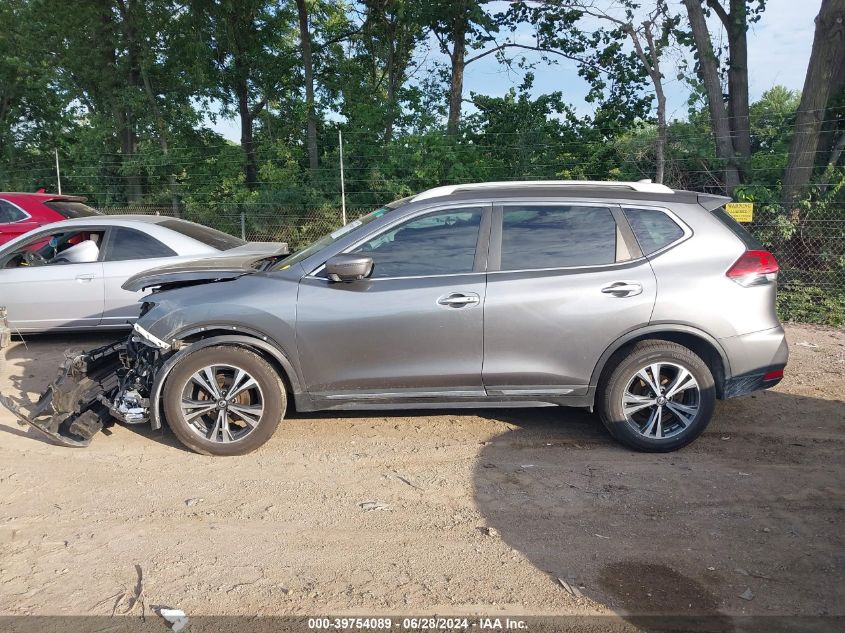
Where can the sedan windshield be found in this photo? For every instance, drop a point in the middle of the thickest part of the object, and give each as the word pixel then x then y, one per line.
pixel 331 238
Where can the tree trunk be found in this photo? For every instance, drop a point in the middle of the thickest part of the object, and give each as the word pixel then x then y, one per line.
pixel 738 108
pixel 458 60
pixel 709 73
pixel 308 66
pixel 651 61
pixel 250 162
pixel 660 146
pixel 161 127
pixel 825 61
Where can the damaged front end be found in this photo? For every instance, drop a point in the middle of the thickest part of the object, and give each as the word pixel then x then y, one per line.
pixel 95 387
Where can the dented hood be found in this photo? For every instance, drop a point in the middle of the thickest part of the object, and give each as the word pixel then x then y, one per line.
pixel 235 263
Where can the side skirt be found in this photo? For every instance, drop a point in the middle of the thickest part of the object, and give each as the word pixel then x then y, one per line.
pixel 306 402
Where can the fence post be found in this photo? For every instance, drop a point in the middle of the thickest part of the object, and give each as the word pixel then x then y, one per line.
pixel 243 226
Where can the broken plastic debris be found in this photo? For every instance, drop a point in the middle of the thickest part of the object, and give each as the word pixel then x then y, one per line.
pixel 747 594
pixel 176 617
pixel 369 506
pixel 572 589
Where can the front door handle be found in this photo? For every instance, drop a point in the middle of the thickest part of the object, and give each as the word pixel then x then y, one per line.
pixel 459 299
pixel 85 278
pixel 623 289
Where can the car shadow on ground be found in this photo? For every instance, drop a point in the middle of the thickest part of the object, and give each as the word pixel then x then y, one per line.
pixel 735 532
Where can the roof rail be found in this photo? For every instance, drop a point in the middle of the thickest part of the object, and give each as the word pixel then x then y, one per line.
pixel 640 185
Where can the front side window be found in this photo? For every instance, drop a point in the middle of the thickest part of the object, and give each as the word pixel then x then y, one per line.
pixel 535 237
pixel 441 243
pixel 64 247
pixel 10 213
pixel 131 244
pixel 653 229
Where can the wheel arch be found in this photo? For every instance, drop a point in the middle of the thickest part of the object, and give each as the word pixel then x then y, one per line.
pixel 198 338
pixel 700 342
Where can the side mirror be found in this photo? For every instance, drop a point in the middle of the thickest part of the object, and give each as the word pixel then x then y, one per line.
pixel 349 267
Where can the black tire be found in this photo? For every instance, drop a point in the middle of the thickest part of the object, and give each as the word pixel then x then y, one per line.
pixel 268 392
pixel 622 373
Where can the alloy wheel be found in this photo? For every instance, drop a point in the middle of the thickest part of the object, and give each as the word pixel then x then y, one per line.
pixel 222 403
pixel 661 400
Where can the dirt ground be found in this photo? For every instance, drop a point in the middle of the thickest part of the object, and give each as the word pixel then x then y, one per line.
pixel 484 511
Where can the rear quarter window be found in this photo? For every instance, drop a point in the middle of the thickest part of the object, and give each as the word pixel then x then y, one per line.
pixel 653 229
pixel 210 237
pixel 69 209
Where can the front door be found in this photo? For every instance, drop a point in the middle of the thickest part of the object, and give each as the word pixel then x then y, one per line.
pixel 54 280
pixel 414 328
pixel 565 281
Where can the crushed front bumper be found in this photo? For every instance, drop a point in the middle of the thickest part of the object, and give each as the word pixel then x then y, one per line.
pixel 77 404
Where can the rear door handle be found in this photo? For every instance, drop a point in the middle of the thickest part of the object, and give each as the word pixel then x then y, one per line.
pixel 623 289
pixel 85 278
pixel 459 299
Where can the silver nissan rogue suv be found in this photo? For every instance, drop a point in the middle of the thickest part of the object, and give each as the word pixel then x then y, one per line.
pixel 642 302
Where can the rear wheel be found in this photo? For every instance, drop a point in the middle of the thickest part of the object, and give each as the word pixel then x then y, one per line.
pixel 658 396
pixel 223 400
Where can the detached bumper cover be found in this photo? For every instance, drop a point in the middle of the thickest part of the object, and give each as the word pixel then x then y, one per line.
pixel 74 408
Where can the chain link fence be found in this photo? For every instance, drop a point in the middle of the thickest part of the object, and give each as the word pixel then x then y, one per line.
pixel 808 242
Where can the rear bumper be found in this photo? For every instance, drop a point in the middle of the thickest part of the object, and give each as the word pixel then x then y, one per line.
pixel 756 361
pixel 755 381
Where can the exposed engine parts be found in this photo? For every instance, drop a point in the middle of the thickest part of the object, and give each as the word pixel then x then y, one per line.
pixel 91 388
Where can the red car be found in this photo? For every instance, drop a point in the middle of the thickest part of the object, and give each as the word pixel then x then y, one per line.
pixel 22 212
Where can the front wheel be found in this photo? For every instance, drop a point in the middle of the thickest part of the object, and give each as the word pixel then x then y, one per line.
pixel 223 400
pixel 658 397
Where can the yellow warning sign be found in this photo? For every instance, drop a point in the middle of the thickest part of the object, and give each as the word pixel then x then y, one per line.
pixel 740 211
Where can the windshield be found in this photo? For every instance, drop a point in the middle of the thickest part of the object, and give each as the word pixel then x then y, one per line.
pixel 71 209
pixel 331 238
pixel 208 236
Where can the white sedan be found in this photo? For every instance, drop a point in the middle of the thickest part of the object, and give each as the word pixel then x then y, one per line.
pixel 68 275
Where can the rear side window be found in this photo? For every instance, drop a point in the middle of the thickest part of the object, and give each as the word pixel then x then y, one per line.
pixel 130 244
pixel 10 213
pixel 653 229
pixel 557 237
pixel 737 229
pixel 69 209
pixel 210 237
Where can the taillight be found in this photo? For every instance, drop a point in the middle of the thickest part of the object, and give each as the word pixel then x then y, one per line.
pixel 754 268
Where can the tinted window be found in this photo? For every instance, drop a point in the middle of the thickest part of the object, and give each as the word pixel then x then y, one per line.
pixel 438 244
pixel 740 231
pixel 130 244
pixel 70 209
pixel 210 237
pixel 653 229
pixel 556 237
pixel 10 213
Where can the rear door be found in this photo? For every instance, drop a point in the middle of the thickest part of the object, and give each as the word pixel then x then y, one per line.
pixel 565 280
